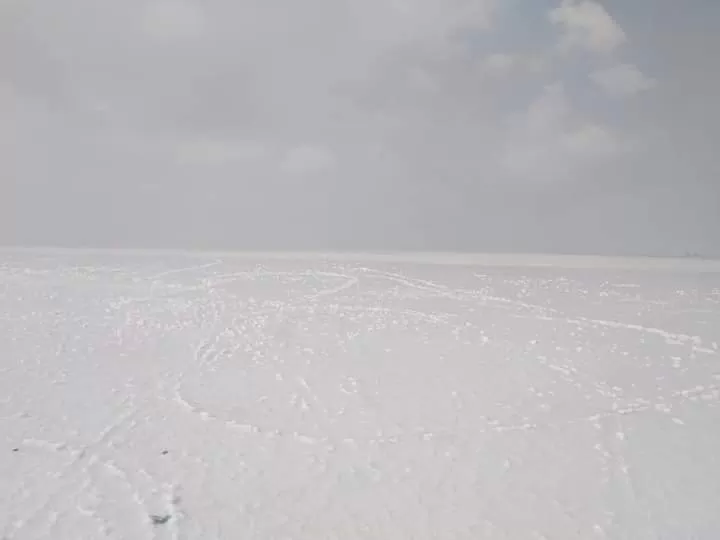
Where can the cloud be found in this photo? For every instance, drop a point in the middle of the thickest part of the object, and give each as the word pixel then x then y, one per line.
pixel 552 142
pixel 592 141
pixel 506 63
pixel 411 119
pixel 173 19
pixel 548 112
pixel 209 151
pixel 230 84
pixel 502 62
pixel 249 68
pixel 307 160
pixel 587 25
pixel 418 20
pixel 622 80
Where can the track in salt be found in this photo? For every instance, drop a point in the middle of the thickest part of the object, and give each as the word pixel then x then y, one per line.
pixel 336 391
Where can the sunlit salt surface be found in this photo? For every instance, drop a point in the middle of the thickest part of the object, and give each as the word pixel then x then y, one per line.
pixel 170 396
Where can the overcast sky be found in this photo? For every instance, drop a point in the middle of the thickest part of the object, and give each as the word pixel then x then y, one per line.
pixel 482 125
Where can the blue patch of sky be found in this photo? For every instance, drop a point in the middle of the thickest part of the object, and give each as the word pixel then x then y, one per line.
pixel 660 16
pixel 519 27
pixel 523 26
pixel 652 28
pixel 653 25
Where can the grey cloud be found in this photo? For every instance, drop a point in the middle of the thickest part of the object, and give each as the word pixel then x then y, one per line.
pixel 622 80
pixel 329 124
pixel 587 24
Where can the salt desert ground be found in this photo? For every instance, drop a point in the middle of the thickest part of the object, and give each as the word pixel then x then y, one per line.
pixel 217 396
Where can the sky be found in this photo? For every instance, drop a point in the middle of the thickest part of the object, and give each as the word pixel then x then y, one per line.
pixel 570 126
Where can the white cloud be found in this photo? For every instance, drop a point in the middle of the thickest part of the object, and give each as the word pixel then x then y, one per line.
pixel 588 25
pixel 173 19
pixel 360 75
pixel 592 141
pixel 418 20
pixel 622 80
pixel 500 62
pixel 308 159
pixel 220 152
pixel 349 31
pixel 550 141
pixel 505 63
pixel 547 112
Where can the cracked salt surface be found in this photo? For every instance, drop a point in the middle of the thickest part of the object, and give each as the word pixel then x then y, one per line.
pixel 186 397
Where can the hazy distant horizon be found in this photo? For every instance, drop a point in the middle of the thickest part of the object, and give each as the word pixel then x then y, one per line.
pixel 95 255
pixel 338 251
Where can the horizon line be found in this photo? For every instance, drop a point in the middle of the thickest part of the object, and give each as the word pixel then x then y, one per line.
pixel 508 259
